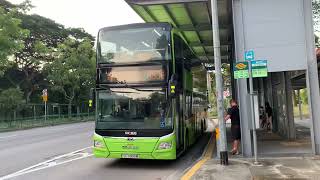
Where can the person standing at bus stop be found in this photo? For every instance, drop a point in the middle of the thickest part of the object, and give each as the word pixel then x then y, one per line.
pixel 233 114
pixel 269 116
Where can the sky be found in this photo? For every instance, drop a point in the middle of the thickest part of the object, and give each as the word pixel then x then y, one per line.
pixel 90 15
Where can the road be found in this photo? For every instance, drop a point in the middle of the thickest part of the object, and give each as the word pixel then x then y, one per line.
pixel 64 152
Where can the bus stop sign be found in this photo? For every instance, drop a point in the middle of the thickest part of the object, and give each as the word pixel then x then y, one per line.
pixel 249 55
pixel 241 70
pixel 259 68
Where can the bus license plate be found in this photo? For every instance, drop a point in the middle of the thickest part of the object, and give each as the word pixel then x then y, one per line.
pixel 130 156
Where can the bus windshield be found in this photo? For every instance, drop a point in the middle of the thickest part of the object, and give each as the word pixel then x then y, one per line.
pixel 133 108
pixel 133 45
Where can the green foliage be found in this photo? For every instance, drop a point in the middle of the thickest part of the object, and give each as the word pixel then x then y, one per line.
pixel 304 96
pixel 38 47
pixel 73 71
pixel 317 43
pixel 11 36
pixel 226 75
pixel 11 98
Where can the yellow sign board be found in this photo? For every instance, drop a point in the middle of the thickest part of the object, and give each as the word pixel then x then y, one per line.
pixel 45 98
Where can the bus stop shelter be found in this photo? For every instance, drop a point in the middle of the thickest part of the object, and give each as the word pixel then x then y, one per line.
pixel 280 32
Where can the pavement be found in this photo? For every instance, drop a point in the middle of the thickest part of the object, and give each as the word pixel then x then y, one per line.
pixel 268 169
pixel 65 152
pixel 279 159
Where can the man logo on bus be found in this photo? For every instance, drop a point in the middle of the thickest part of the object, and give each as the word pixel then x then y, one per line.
pixel 130 133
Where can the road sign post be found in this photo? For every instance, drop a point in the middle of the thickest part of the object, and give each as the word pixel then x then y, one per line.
pixel 249 56
pixel 251 69
pixel 45 99
pixel 254 130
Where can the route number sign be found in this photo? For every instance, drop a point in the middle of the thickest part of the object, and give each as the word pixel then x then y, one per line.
pixel 259 68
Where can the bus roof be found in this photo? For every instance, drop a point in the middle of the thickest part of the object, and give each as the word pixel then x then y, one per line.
pixel 137 25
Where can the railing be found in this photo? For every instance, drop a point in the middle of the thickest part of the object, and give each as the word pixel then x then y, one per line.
pixel 32 115
pixel 9 125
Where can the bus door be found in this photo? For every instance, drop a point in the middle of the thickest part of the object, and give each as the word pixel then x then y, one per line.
pixel 179 122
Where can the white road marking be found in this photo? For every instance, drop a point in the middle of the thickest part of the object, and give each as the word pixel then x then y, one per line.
pixel 79 154
pixel 6 137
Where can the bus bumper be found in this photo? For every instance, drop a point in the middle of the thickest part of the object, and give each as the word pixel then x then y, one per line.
pixel 101 150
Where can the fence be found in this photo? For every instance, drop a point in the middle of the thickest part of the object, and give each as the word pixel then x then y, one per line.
pixel 33 115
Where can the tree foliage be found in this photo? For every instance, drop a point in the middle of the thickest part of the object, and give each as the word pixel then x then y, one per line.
pixel 11 36
pixel 72 73
pixel 11 98
pixel 37 48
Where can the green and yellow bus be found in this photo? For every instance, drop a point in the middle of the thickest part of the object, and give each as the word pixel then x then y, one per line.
pixel 151 94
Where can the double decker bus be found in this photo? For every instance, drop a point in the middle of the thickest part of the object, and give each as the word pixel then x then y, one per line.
pixel 151 94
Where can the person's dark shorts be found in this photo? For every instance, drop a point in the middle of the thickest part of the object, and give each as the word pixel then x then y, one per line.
pixel 235 132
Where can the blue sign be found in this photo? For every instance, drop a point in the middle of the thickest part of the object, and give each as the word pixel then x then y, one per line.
pixel 249 55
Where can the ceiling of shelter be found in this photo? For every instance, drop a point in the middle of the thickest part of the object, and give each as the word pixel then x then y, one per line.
pixel 193 19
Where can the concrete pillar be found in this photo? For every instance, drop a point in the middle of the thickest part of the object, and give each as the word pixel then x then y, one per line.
pixel 291 131
pixel 299 104
pixel 312 78
pixel 242 87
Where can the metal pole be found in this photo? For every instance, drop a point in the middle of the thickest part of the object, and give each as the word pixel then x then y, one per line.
pixel 88 113
pixel 299 104
pixel 34 112
pixel 219 83
pixel 255 149
pixel 45 111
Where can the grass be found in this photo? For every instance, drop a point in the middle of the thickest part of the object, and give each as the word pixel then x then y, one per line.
pixel 305 111
pixel 40 122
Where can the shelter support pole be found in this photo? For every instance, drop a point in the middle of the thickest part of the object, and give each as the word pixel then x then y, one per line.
pixel 219 84
pixel 312 78
pixel 299 104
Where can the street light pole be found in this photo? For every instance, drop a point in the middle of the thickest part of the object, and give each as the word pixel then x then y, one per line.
pixel 219 84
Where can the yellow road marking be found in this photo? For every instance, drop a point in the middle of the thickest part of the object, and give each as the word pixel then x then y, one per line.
pixel 198 165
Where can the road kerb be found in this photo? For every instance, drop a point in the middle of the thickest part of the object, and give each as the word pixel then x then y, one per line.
pixel 207 155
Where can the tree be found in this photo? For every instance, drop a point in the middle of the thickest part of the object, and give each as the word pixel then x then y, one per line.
pixel 226 76
pixel 73 71
pixel 10 99
pixel 39 47
pixel 11 36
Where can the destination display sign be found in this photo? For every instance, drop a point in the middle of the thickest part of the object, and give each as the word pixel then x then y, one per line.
pixel 132 74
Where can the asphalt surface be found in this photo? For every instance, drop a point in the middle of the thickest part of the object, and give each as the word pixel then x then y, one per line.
pixel 52 153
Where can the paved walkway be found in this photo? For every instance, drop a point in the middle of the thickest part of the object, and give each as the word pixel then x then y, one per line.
pixel 299 165
pixel 271 168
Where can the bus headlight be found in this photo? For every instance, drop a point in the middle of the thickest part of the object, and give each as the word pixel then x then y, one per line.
pixel 165 145
pixel 98 144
